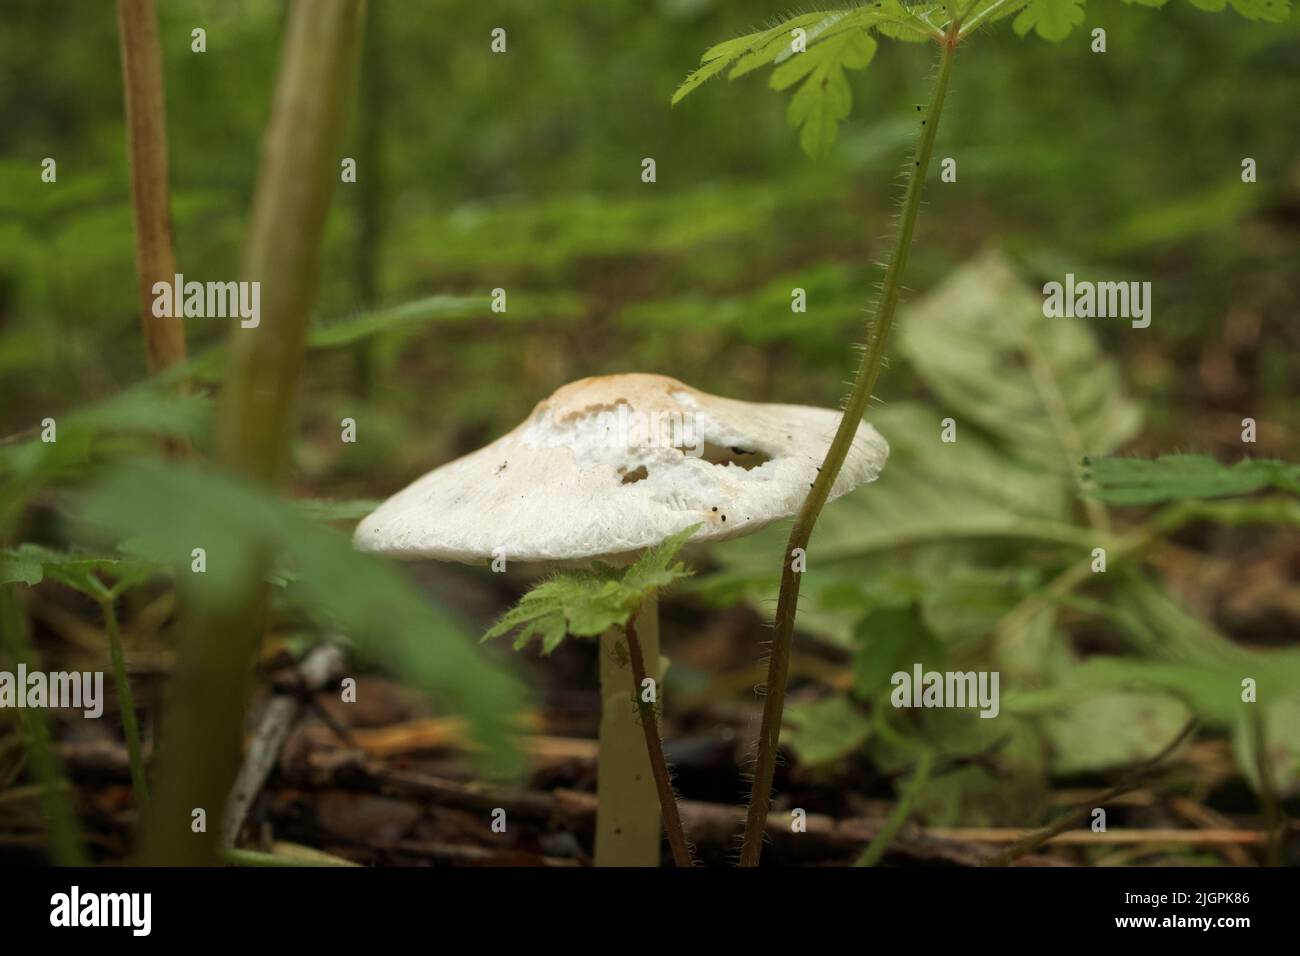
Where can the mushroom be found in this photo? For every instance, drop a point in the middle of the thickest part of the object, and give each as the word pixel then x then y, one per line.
pixel 603 469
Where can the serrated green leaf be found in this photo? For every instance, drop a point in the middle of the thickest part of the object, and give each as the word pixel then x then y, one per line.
pixel 751 46
pixel 31 564
pixel 19 569
pixel 699 77
pixel 911 22
pixel 834 41
pixel 825 97
pixel 990 11
pixel 1050 19
pixel 1141 481
pixel 586 603
pixel 779 44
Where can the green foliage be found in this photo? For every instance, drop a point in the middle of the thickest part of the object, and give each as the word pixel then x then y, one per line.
pixel 891 639
pixel 1280 725
pixel 1158 626
pixel 1138 481
pixel 1050 19
pixel 102 430
pixel 162 512
pixel 1042 387
pixel 1056 19
pixel 585 603
pixel 990 772
pixel 30 564
pixel 1112 729
pixel 839 40
pixel 932 561
pixel 835 41
pixel 1272 11
pixel 358 328
pixel 825 730
pixel 824 99
pixel 1002 371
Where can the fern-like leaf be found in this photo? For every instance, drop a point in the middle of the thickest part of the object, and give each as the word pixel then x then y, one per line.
pixel 832 41
pixel 588 602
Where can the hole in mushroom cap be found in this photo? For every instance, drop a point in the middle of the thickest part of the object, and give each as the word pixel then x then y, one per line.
pixel 722 455
pixel 636 474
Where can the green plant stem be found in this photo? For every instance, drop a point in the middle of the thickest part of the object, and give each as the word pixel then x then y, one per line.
pixel 46 767
pixel 199 752
pixel 126 702
pixel 901 812
pixel 655 748
pixel 863 384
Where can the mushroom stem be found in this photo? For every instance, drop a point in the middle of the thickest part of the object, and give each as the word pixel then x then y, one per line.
pixel 654 746
pixel 627 816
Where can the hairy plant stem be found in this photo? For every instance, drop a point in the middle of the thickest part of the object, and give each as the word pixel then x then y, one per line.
pixel 126 702
pixel 863 384
pixel 655 748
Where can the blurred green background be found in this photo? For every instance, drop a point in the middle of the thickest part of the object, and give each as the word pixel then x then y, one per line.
pixel 522 171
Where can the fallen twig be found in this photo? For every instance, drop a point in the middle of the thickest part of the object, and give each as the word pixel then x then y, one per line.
pixel 1073 818
pixel 1088 837
pixel 318 668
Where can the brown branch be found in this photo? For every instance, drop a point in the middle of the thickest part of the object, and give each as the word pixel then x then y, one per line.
pixel 321 666
pixel 1073 818
pixel 655 748
pixel 146 140
pixel 711 824
pixel 1228 836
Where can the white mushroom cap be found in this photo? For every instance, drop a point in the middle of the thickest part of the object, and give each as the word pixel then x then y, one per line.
pixel 611 465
